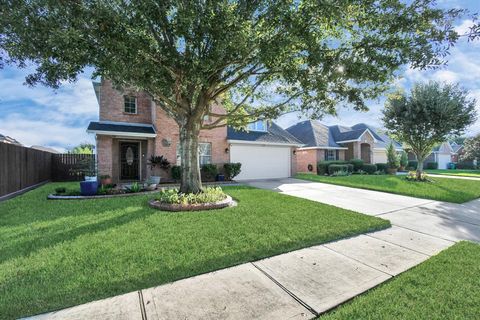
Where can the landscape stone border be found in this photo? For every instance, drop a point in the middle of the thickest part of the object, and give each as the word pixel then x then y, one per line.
pixel 227 202
pixel 104 196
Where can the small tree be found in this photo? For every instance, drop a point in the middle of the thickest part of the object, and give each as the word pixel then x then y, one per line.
pixel 83 148
pixel 392 157
pixel 403 159
pixel 471 149
pixel 428 116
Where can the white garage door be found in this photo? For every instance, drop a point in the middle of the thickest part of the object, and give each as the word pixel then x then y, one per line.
pixel 443 160
pixel 261 162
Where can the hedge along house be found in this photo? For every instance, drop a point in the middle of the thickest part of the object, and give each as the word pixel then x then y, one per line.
pixel 131 128
pixel 337 142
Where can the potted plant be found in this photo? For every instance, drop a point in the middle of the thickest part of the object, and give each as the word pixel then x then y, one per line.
pixel 392 159
pixel 158 162
pixel 105 179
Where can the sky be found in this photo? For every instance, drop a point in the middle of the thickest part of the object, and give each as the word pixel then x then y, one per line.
pixel 59 118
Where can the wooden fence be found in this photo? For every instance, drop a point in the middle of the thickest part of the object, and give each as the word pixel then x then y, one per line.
pixel 22 167
pixel 72 167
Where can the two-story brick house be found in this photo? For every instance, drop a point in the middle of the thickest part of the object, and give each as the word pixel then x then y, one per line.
pixel 131 128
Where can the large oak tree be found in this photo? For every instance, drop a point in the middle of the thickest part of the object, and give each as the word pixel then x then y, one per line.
pixel 257 58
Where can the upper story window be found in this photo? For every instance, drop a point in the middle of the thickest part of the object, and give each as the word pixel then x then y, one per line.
pixel 130 104
pixel 259 125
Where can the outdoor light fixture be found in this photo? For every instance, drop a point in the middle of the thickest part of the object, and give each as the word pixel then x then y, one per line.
pixel 227 150
pixel 294 152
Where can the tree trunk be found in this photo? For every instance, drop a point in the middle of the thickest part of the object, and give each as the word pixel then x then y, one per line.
pixel 191 180
pixel 419 167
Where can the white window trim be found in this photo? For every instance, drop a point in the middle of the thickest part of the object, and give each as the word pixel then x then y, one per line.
pixel 136 105
pixel 255 128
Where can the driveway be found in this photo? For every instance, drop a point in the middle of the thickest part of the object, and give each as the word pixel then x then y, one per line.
pixel 443 220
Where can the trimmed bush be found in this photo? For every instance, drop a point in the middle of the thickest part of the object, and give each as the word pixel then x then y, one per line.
pixel 382 167
pixel 339 167
pixel 466 166
pixel 357 164
pixel 369 168
pixel 412 164
pixel 232 170
pixel 176 173
pixel 322 166
pixel 350 167
pixel 209 171
pixel 432 165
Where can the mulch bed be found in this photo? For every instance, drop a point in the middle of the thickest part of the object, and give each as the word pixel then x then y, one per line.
pixel 227 202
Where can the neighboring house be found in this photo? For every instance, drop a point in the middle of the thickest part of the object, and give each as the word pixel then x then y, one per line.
pixel 323 142
pixel 10 140
pixel 46 149
pixel 457 152
pixel 441 154
pixel 131 128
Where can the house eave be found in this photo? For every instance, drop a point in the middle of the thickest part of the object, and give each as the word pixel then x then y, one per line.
pixel 320 147
pixel 280 144
pixel 123 134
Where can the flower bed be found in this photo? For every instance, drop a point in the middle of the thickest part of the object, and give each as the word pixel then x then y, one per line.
pixel 173 200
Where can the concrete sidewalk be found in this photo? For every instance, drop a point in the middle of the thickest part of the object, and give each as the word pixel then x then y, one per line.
pixel 296 285
pixel 304 283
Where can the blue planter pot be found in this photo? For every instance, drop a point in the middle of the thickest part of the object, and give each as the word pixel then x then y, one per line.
pixel 88 188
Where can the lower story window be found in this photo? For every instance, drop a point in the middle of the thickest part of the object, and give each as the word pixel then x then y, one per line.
pixel 204 153
pixel 330 155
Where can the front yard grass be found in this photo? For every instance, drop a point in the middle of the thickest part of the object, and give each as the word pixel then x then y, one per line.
pixel 456 172
pixel 442 189
pixel 55 254
pixel 446 286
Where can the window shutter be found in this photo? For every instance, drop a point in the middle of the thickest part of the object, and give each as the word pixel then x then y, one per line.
pixel 337 155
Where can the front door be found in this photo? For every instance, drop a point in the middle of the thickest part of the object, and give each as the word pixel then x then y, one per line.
pixel 365 152
pixel 129 161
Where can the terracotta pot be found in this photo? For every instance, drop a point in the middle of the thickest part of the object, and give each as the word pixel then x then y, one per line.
pixel 105 181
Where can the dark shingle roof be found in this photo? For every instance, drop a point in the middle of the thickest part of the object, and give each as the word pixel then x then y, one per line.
pixel 114 127
pixel 313 134
pixel 274 134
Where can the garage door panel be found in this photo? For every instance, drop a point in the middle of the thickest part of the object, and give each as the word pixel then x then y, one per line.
pixel 261 162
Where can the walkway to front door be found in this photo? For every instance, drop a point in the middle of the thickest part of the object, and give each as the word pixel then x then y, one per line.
pixel 129 161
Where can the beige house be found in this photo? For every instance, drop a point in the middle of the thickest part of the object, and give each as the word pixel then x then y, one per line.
pixel 337 142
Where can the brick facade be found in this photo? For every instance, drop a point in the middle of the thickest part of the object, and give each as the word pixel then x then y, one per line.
pixel 111 103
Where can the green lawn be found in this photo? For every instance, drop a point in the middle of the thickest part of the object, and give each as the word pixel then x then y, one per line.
pixel 55 254
pixel 442 189
pixel 457 172
pixel 446 286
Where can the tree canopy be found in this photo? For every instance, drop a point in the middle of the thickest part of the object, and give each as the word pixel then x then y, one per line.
pixel 471 149
pixel 428 116
pixel 257 58
pixel 83 148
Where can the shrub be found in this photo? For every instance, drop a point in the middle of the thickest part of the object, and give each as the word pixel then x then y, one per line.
pixel 392 157
pixel 466 166
pixel 432 165
pixel 133 188
pixel 176 173
pixel 104 176
pixel 209 195
pixel 382 167
pixel 232 170
pixel 60 190
pixel 210 171
pixel 159 161
pixel 322 166
pixel 412 176
pixel 412 164
pixel 379 172
pixel 357 164
pixel 369 168
pixel 403 159
pixel 340 173
pixel 339 167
